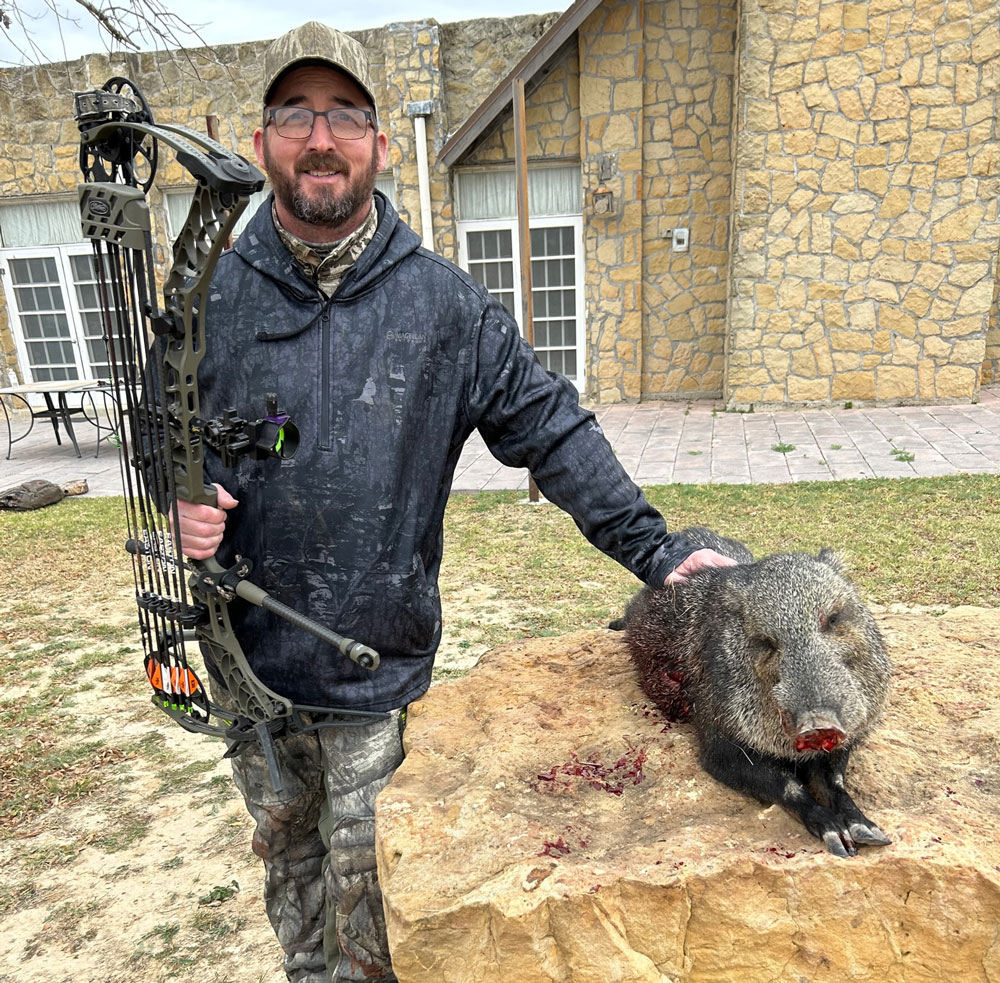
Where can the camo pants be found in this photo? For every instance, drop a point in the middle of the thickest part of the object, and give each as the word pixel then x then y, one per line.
pixel 317 841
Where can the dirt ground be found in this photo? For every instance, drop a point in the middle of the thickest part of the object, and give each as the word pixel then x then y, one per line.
pixel 150 876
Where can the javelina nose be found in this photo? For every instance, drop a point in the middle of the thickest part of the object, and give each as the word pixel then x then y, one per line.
pixel 818 732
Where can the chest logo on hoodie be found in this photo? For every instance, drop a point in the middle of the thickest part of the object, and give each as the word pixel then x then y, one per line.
pixel 411 337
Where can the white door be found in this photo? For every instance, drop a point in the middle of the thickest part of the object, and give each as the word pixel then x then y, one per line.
pixel 53 305
pixel 487 251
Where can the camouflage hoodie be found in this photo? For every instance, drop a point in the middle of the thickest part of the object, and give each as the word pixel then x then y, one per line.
pixel 386 380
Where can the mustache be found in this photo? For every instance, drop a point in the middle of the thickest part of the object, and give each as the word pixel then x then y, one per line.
pixel 315 161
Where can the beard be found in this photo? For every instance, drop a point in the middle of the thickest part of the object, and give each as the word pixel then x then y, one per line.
pixel 326 206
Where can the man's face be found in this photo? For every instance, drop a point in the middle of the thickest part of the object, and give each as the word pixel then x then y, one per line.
pixel 323 184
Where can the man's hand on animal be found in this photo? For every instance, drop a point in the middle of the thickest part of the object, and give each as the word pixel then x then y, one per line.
pixel 202 527
pixel 704 559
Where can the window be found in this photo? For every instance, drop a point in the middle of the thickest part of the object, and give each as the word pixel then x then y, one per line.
pixel 386 183
pixel 54 310
pixel 490 260
pixel 554 291
pixel 487 236
pixel 45 329
pixel 50 284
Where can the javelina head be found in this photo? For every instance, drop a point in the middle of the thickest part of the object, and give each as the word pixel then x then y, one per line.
pixel 812 671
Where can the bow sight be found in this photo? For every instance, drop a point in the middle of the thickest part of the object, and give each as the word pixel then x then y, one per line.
pixel 230 436
pixel 154 354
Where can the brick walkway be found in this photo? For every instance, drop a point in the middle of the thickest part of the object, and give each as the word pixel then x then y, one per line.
pixel 661 443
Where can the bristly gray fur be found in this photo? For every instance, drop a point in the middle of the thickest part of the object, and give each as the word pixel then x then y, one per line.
pixel 761 657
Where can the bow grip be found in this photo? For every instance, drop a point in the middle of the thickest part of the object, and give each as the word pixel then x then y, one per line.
pixel 209 495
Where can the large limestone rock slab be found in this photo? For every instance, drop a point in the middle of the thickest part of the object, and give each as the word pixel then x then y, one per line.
pixel 547 825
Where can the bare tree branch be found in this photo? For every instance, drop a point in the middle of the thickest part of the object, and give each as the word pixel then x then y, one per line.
pixel 129 24
pixel 106 21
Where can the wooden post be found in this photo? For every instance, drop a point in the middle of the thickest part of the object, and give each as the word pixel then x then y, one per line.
pixel 523 230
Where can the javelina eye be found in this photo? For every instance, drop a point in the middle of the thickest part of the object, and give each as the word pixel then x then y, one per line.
pixel 828 621
pixel 765 655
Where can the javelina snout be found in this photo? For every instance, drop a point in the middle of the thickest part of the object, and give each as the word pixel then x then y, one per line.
pixel 781 669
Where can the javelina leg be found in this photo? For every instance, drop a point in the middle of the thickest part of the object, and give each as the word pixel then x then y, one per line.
pixel 826 774
pixel 773 781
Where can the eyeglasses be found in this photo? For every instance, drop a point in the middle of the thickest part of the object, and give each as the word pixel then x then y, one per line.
pixel 296 122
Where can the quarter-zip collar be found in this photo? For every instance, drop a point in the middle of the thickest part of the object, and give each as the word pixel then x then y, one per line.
pixel 326 264
pixel 261 247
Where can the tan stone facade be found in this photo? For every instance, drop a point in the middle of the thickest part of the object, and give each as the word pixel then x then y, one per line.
pixel 865 213
pixel 836 164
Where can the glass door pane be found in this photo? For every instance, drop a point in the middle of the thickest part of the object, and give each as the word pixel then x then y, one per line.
pixel 491 263
pixel 88 300
pixel 45 325
pixel 553 298
pixel 487 250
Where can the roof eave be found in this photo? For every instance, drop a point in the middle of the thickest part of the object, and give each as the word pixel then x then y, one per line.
pixel 462 140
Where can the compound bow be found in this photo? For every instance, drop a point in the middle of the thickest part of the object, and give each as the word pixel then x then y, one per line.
pixel 154 355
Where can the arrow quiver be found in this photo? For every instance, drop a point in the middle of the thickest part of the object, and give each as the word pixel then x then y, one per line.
pixel 154 349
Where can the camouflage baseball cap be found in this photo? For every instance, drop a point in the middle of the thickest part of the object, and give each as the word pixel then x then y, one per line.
pixel 315 42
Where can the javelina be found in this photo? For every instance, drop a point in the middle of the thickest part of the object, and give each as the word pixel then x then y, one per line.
pixel 782 671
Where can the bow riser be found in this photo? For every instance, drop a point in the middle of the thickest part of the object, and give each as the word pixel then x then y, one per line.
pixel 197 248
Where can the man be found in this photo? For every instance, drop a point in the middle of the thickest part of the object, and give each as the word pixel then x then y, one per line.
pixel 387 357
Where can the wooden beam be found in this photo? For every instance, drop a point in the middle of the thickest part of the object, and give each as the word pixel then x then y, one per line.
pixel 523 227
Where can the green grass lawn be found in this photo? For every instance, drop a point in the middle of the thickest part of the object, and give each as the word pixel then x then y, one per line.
pixel 916 542
pixel 928 541
pixel 68 627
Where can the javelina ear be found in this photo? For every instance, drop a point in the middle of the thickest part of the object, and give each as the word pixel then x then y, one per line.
pixel 830 558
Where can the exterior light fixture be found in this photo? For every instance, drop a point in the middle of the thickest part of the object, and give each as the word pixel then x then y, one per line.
pixel 603 199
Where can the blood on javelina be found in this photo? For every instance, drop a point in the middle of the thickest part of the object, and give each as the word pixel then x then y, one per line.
pixel 820 740
pixel 670 695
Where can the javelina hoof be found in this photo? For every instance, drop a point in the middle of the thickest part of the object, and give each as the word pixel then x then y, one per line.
pixel 844 841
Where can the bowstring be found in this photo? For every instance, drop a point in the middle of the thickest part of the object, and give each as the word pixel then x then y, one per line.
pixel 175 675
pixel 157 564
pixel 108 268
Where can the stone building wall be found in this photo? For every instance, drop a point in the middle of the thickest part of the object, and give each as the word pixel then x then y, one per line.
pixel 409 64
pixel 690 68
pixel 551 121
pixel 612 68
pixel 866 227
pixel 476 55
pixel 844 202
pixel 412 67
